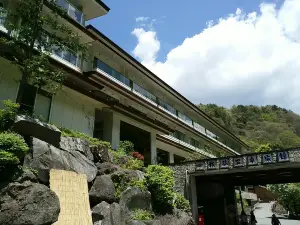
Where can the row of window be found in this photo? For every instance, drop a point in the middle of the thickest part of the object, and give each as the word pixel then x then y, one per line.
pixel 112 72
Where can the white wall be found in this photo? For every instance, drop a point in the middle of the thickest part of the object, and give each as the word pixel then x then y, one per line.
pixel 9 81
pixel 73 110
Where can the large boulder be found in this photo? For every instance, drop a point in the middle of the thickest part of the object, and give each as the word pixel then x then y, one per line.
pixel 76 144
pixel 26 175
pixel 45 157
pixel 28 204
pixel 101 153
pixel 28 126
pixel 129 174
pixel 183 217
pixel 134 198
pixel 107 168
pixel 103 189
pixel 106 214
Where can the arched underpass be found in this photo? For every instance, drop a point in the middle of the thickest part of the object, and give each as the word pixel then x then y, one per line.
pixel 211 183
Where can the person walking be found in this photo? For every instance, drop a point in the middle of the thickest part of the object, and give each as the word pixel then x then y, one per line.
pixel 275 220
pixel 252 218
pixel 244 218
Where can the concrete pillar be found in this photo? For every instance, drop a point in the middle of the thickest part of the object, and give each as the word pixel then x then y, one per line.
pixel 153 148
pixel 193 197
pixel 111 128
pixel 171 157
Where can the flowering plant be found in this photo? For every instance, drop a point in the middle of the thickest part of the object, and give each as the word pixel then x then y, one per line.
pixel 137 156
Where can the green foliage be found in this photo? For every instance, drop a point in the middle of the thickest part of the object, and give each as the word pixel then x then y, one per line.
pixel 140 214
pixel 12 148
pixel 263 128
pixel 160 182
pixel 8 115
pixel 288 196
pixel 238 202
pixel 126 146
pixel 181 203
pixel 33 43
pixel 123 181
pixel 264 148
pixel 133 164
pixel 92 141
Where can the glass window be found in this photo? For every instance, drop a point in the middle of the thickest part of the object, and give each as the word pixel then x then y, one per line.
pixel 43 105
pixel 144 92
pixel 162 157
pixel 63 4
pixel 3 14
pixel 167 106
pixel 198 127
pixel 110 71
pixel 185 118
pixel 195 143
pixel 178 135
pixel 28 99
pixel 178 159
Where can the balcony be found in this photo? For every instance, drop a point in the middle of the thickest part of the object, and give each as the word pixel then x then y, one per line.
pixel 3 16
pixel 67 57
pixel 71 10
pixel 117 77
pixel 187 145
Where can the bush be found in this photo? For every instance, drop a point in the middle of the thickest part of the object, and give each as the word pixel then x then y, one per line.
pixel 181 203
pixel 126 146
pixel 140 214
pixel 133 164
pixel 8 115
pixel 123 181
pixel 92 141
pixel 160 182
pixel 12 148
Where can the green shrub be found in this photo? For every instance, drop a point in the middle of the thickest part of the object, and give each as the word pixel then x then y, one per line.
pixel 123 181
pixel 126 146
pixel 160 182
pixel 181 203
pixel 92 141
pixel 12 148
pixel 8 115
pixel 133 164
pixel 140 214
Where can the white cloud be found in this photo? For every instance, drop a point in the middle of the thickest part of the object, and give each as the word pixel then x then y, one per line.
pixel 242 59
pixel 141 19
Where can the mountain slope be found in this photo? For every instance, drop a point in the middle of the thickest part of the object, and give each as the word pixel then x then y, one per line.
pixel 259 125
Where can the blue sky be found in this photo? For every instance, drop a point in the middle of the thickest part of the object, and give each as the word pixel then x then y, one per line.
pixel 175 22
pixel 250 54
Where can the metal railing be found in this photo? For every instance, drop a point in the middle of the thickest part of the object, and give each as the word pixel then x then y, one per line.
pixel 72 11
pixel 189 146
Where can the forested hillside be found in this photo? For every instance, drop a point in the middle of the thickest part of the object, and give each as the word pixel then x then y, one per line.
pixel 261 127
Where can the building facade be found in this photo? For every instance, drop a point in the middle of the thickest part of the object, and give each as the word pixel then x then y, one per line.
pixel 111 96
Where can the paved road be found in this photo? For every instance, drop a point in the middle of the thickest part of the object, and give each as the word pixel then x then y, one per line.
pixel 263 211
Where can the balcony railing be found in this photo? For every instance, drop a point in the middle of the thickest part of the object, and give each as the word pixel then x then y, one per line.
pixel 73 58
pixel 189 146
pixel 3 15
pixel 72 11
pixel 149 97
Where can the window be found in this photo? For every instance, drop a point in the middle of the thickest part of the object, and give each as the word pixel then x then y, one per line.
pixel 36 101
pixel 185 118
pixel 43 105
pixel 144 92
pixel 178 135
pixel 28 99
pixel 167 106
pixel 178 159
pixel 195 143
pixel 110 71
pixel 162 157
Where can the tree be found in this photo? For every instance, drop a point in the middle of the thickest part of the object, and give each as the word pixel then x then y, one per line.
pixel 34 34
pixel 288 196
